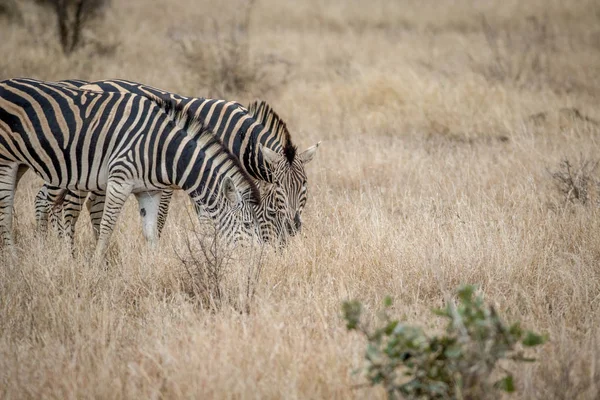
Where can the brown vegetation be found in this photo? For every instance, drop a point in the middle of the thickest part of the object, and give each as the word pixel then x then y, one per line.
pixel 435 170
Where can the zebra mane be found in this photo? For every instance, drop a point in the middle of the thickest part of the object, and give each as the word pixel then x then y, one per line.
pixel 73 83
pixel 211 145
pixel 264 113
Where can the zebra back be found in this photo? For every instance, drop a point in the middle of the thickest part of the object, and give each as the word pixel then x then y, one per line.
pixel 237 127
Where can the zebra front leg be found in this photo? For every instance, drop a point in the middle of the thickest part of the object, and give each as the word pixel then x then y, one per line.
pixel 71 208
pixel 95 207
pixel 116 196
pixel 10 174
pixel 150 203
pixel 163 210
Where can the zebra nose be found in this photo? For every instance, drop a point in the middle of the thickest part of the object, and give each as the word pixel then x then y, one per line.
pixel 298 221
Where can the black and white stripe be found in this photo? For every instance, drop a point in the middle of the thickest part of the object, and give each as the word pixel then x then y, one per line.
pixel 119 144
pixel 258 137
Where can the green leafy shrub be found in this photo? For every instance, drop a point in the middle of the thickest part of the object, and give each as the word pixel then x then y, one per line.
pixel 461 363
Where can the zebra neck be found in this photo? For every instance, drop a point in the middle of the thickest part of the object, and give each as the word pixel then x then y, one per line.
pixel 183 160
pixel 238 130
pixel 196 174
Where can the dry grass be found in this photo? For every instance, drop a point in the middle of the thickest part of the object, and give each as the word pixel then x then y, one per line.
pixel 439 126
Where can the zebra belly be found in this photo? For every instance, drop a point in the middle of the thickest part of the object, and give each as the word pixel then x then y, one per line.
pixel 141 185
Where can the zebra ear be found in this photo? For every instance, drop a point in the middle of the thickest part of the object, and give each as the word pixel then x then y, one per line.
pixel 230 191
pixel 307 155
pixel 270 156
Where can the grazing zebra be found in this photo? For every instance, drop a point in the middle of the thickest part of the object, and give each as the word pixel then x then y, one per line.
pixel 118 143
pixel 257 136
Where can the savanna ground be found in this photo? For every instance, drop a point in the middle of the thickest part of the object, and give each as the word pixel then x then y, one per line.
pixel 441 123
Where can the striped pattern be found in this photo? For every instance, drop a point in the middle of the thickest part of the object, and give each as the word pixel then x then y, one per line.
pixel 64 217
pixel 119 144
pixel 288 169
pixel 249 134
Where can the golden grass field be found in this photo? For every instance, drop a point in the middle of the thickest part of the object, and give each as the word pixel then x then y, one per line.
pixel 431 173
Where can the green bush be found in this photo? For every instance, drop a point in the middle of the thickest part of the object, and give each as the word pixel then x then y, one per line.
pixel 459 364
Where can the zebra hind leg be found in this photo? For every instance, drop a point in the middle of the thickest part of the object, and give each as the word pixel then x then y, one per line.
pixel 10 174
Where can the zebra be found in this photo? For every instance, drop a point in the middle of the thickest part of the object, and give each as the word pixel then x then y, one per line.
pixel 275 160
pixel 120 144
pixel 256 135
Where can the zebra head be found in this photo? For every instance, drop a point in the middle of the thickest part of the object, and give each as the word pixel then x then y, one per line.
pixel 233 211
pixel 241 218
pixel 287 196
pixel 270 217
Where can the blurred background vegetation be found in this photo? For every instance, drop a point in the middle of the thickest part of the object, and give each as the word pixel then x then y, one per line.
pixel 460 145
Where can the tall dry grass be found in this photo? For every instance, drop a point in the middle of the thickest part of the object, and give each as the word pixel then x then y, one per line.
pixel 441 126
